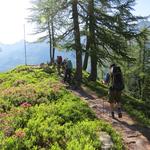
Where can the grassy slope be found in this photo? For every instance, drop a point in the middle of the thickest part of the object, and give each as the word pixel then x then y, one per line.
pixel 135 107
pixel 37 112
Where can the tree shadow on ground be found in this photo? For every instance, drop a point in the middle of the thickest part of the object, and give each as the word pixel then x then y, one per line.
pixel 84 93
pixel 136 127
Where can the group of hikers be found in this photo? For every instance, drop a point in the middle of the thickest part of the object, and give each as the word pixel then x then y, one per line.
pixel 64 66
pixel 113 79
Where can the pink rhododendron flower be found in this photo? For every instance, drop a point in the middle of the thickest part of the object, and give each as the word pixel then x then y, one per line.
pixel 20 134
pixel 26 105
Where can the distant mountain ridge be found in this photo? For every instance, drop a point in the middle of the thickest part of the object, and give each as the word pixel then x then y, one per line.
pixel 144 24
pixel 14 55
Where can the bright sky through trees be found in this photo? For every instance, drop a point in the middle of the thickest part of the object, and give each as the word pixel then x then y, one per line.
pixel 13 12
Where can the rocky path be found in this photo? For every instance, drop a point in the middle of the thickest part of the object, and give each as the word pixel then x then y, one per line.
pixel 135 136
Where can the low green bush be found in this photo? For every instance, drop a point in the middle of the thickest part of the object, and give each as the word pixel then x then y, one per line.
pixel 38 113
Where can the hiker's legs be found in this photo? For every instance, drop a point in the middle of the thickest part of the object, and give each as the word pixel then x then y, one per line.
pixel 118 105
pixel 112 102
pixel 112 109
pixel 115 98
pixel 118 100
pixel 69 76
pixel 119 110
pixel 63 70
pixel 58 68
pixel 65 77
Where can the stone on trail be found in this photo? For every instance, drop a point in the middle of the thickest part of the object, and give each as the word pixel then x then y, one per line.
pixel 106 141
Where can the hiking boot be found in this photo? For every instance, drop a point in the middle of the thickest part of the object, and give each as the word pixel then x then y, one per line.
pixel 113 114
pixel 119 113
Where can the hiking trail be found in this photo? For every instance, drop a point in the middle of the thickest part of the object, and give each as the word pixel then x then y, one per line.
pixel 135 136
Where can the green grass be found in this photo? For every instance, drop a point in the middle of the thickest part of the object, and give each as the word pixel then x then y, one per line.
pixel 135 107
pixel 38 113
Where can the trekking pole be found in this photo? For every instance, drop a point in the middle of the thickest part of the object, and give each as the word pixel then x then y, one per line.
pixel 103 106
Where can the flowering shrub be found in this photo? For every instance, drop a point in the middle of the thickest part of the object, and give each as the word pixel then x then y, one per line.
pixel 25 105
pixel 4 105
pixel 39 113
pixel 20 134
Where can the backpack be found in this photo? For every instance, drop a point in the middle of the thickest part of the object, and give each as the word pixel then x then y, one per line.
pixel 69 64
pixel 117 79
pixel 107 78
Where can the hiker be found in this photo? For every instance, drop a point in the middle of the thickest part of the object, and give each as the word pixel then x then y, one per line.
pixel 68 70
pixel 64 63
pixel 59 63
pixel 115 80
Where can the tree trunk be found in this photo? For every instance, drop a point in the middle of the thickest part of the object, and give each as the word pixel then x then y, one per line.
pixel 140 88
pixel 50 41
pixel 86 58
pixel 53 39
pixel 85 63
pixel 78 74
pixel 93 75
pixel 93 52
pixel 143 69
pixel 142 63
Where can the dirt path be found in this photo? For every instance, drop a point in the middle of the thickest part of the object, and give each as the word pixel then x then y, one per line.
pixel 135 137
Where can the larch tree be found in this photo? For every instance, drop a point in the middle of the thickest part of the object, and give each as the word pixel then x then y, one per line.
pixel 44 16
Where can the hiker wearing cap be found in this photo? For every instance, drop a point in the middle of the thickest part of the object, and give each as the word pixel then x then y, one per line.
pixel 115 80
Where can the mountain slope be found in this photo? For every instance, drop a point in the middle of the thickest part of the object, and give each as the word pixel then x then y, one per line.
pixel 37 112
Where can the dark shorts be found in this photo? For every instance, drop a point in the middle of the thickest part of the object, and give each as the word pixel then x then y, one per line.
pixel 114 96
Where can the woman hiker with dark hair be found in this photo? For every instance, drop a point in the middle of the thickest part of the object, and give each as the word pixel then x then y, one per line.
pixel 115 80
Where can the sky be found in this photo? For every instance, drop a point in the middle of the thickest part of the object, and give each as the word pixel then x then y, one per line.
pixel 12 20
pixel 14 12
